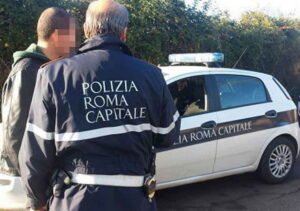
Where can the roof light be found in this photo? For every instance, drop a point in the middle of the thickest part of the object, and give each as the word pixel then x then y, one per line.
pixel 196 58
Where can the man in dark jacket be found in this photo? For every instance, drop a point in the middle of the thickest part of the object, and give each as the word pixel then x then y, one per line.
pixel 56 37
pixel 98 116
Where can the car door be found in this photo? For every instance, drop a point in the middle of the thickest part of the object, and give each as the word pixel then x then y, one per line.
pixel 194 153
pixel 245 113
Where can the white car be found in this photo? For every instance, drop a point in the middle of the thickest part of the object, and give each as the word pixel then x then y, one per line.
pixel 233 121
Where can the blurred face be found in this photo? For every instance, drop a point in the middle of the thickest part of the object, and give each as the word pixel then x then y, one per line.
pixel 64 40
pixel 181 85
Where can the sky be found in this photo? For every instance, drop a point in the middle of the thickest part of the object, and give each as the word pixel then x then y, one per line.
pixel 288 8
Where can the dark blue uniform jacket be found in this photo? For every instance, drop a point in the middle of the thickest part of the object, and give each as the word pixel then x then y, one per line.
pixel 99 112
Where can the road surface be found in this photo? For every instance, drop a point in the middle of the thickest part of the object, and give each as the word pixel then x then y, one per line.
pixel 241 192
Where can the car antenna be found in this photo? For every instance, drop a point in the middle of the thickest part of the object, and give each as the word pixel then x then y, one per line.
pixel 237 62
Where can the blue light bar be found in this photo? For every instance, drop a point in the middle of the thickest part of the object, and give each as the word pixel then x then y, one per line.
pixel 196 58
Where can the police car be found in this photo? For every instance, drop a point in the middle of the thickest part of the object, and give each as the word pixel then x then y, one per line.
pixel 233 121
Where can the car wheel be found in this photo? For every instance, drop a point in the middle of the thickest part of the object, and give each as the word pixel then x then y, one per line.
pixel 277 161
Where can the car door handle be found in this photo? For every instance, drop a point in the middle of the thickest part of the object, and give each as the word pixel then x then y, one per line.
pixel 271 114
pixel 209 125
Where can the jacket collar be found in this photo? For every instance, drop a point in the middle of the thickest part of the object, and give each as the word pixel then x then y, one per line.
pixel 105 41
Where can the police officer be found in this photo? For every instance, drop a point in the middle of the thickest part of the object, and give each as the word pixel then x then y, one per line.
pixel 97 117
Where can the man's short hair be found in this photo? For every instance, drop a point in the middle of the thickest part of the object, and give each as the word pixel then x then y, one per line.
pixel 51 19
pixel 112 19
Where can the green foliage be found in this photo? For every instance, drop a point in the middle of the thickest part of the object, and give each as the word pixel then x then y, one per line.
pixel 160 27
pixel 271 45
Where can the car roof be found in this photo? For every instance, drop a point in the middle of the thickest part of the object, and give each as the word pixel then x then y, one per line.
pixel 170 72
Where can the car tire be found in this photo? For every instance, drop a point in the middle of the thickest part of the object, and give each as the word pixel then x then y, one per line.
pixel 277 161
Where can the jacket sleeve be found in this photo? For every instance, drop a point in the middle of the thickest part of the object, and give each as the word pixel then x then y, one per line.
pixel 37 153
pixel 169 128
pixel 16 98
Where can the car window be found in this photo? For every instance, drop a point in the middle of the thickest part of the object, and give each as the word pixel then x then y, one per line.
pixel 287 95
pixel 236 90
pixel 189 95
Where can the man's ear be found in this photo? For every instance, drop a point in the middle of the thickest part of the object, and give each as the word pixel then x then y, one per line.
pixel 53 37
pixel 124 35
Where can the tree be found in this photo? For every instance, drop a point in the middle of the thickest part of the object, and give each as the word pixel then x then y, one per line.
pixel 160 27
